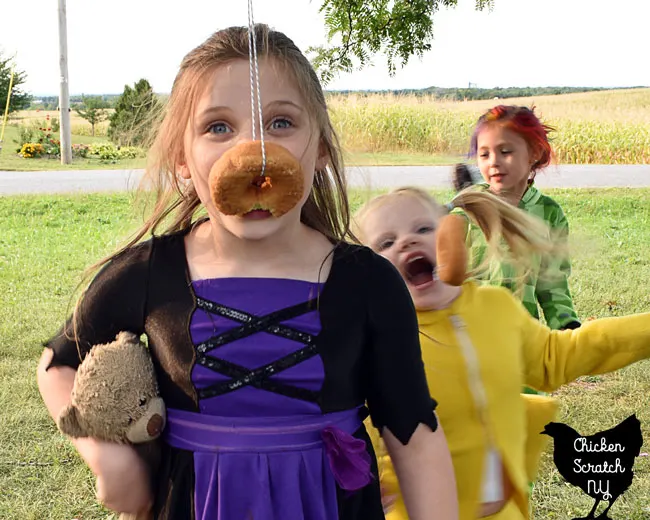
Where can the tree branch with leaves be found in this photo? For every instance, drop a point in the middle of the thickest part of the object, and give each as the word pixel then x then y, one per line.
pixel 359 29
pixel 19 100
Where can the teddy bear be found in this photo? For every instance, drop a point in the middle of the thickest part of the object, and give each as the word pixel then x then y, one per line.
pixel 115 399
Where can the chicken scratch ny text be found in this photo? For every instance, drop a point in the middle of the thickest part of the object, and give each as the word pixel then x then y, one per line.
pixel 604 467
pixel 581 444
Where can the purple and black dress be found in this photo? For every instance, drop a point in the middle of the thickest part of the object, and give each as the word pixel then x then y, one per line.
pixel 266 380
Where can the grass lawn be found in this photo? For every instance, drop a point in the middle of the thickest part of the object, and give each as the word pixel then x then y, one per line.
pixel 47 241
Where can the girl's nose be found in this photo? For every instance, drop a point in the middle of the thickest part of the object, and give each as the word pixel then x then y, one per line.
pixel 407 242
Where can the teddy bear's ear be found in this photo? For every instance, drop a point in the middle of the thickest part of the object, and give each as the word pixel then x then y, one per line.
pixel 68 422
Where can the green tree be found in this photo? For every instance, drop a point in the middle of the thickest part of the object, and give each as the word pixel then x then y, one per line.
pixel 131 122
pixel 362 28
pixel 93 111
pixel 20 100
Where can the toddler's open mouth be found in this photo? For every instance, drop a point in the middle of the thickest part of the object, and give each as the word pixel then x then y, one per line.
pixel 419 271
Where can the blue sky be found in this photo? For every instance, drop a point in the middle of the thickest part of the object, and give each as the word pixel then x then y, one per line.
pixel 519 43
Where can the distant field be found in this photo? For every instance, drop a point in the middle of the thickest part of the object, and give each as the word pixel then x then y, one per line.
pixel 78 125
pixel 621 106
pixel 608 127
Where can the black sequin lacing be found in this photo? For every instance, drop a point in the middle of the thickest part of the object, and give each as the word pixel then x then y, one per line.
pixel 259 377
pixel 253 324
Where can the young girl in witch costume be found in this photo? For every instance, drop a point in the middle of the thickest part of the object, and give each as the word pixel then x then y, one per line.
pixel 480 345
pixel 269 333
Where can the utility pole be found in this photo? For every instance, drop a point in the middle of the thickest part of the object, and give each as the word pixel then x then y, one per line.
pixel 64 95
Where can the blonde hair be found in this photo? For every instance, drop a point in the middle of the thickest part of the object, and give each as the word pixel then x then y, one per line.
pixel 511 234
pixel 327 208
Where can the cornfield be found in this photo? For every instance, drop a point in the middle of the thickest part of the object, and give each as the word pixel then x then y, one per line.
pixel 101 129
pixel 610 127
pixel 607 127
pixel 78 125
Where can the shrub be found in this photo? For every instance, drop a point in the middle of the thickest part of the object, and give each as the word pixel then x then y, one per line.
pixel 135 110
pixel 26 135
pixel 31 150
pixel 54 124
pixel 38 133
pixel 52 147
pixel 80 150
pixel 105 151
pixel 130 152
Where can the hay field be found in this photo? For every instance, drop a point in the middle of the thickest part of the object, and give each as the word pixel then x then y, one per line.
pixel 78 125
pixel 606 127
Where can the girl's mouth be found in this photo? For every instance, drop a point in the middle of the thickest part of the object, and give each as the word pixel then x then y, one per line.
pixel 419 271
pixel 258 214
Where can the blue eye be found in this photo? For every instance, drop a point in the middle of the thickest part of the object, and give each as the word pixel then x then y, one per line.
pixel 425 229
pixel 385 245
pixel 219 128
pixel 281 123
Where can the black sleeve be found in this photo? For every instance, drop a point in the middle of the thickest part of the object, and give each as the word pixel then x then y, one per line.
pixel 399 396
pixel 114 301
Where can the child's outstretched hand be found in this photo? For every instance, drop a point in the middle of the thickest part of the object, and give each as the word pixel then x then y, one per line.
pixel 122 478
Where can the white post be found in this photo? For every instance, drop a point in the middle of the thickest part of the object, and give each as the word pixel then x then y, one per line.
pixel 64 95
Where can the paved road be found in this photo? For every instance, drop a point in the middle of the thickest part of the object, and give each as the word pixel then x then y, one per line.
pixel 573 176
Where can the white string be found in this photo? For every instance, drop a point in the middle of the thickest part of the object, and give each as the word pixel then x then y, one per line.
pixel 250 67
pixel 255 84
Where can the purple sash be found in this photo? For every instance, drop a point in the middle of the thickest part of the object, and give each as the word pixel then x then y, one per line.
pixel 212 437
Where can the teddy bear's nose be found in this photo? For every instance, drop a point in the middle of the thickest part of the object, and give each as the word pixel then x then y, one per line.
pixel 154 426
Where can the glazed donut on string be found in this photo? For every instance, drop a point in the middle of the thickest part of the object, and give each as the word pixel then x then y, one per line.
pixel 237 187
pixel 451 251
pixel 256 175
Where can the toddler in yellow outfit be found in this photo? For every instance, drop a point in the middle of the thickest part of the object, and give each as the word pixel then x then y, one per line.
pixel 480 347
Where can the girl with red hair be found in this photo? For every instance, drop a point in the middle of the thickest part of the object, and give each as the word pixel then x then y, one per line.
pixel 511 145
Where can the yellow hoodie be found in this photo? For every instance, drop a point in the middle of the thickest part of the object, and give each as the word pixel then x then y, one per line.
pixel 512 349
